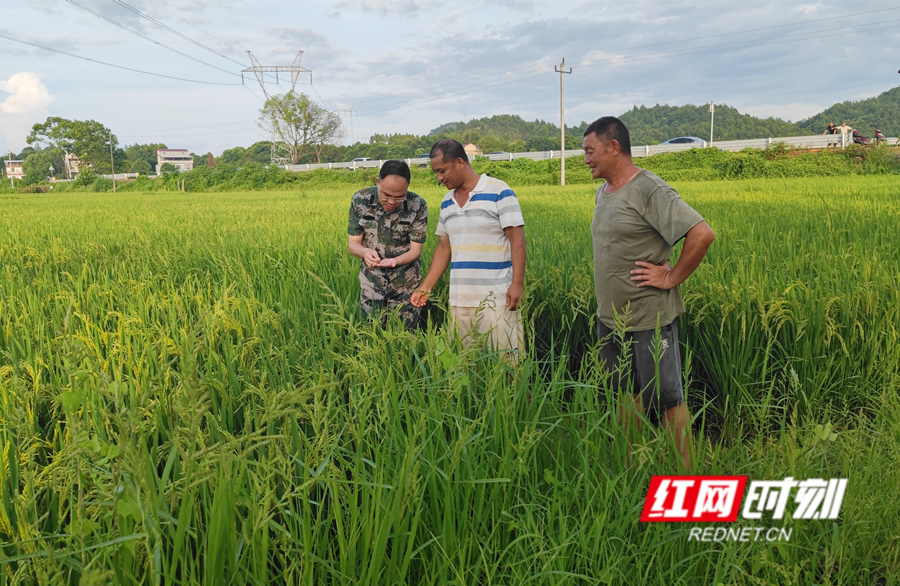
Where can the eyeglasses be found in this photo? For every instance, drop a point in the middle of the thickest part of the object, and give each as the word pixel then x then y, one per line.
pixel 399 199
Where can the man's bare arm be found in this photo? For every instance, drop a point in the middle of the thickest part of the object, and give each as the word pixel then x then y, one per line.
pixel 439 263
pixel 356 248
pixel 696 243
pixel 516 236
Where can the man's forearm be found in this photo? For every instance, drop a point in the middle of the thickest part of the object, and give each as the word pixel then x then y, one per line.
pixel 410 255
pixel 519 255
pixel 696 243
pixel 357 249
pixel 439 263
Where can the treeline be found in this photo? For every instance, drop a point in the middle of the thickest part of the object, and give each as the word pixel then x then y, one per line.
pixel 691 165
pixel 881 112
pixel 648 125
pixel 660 123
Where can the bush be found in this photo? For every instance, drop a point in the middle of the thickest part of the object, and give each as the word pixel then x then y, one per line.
pixel 85 178
pixel 103 184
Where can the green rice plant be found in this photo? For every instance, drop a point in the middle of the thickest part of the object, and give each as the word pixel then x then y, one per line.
pixel 189 394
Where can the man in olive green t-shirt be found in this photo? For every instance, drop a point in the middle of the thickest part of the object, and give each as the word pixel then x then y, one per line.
pixel 637 220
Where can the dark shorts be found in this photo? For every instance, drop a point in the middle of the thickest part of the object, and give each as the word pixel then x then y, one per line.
pixel 639 374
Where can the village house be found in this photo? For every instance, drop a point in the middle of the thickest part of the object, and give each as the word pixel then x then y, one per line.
pixel 14 169
pixel 178 158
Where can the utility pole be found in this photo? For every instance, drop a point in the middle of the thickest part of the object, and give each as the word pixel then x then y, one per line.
pixel 112 162
pixel 12 182
pixel 712 118
pixel 562 121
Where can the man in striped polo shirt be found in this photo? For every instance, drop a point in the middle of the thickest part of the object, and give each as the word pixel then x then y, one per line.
pixel 482 239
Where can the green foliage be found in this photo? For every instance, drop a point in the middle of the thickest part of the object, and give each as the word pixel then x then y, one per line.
pixel 142 152
pixel 660 123
pixel 139 166
pixel 188 394
pixel 85 178
pixel 300 124
pixel 87 139
pixel 102 184
pixel 882 112
pixel 37 165
pixel 690 165
pixel 260 152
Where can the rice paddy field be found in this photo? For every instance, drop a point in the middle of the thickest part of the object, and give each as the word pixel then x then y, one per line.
pixel 188 395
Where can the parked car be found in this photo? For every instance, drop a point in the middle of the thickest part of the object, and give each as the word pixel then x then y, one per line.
pixel 423 156
pixel 684 140
pixel 361 159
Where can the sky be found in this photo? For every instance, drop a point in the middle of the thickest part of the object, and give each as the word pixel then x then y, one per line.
pixel 169 71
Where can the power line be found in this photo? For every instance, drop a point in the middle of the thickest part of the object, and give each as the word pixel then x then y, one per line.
pixel 634 58
pixel 175 32
pixel 681 41
pixel 52 50
pixel 195 134
pixel 192 127
pixel 746 44
pixel 264 22
pixel 145 37
pixel 160 6
pixel 754 30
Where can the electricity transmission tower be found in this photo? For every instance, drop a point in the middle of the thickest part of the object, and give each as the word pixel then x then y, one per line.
pixel 350 111
pixel 280 151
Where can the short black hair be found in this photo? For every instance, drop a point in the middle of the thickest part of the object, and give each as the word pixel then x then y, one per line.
pixel 611 128
pixel 448 148
pixel 394 167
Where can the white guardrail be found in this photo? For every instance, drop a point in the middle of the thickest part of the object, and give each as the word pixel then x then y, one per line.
pixel 798 142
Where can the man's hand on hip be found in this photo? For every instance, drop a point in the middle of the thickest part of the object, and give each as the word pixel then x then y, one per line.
pixel 651 275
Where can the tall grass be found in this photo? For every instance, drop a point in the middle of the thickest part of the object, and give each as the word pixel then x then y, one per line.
pixel 189 395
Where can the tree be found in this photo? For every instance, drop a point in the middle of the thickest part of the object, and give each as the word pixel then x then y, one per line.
pixel 145 152
pixel 37 165
pixel 168 168
pixel 87 139
pixel 210 161
pixel 139 166
pixel 299 123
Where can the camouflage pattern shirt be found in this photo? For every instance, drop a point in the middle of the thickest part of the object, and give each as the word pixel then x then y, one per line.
pixel 390 234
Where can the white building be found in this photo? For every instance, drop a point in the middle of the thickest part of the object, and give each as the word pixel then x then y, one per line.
pixel 14 169
pixel 178 158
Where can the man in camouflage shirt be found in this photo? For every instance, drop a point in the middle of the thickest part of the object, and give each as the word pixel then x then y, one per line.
pixel 387 228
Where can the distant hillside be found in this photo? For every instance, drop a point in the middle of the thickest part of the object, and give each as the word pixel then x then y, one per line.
pixel 660 123
pixel 511 130
pixel 881 112
pixel 647 126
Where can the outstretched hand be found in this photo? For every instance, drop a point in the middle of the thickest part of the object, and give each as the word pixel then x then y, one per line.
pixel 651 275
pixel 387 263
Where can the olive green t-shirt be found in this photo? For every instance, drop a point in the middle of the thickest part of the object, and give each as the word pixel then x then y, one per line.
pixel 643 220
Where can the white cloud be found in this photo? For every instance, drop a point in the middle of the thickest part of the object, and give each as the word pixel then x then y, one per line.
pixel 26 104
pixel 27 94
pixel 386 7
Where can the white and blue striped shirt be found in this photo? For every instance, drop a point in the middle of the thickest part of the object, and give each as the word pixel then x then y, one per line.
pixel 481 260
